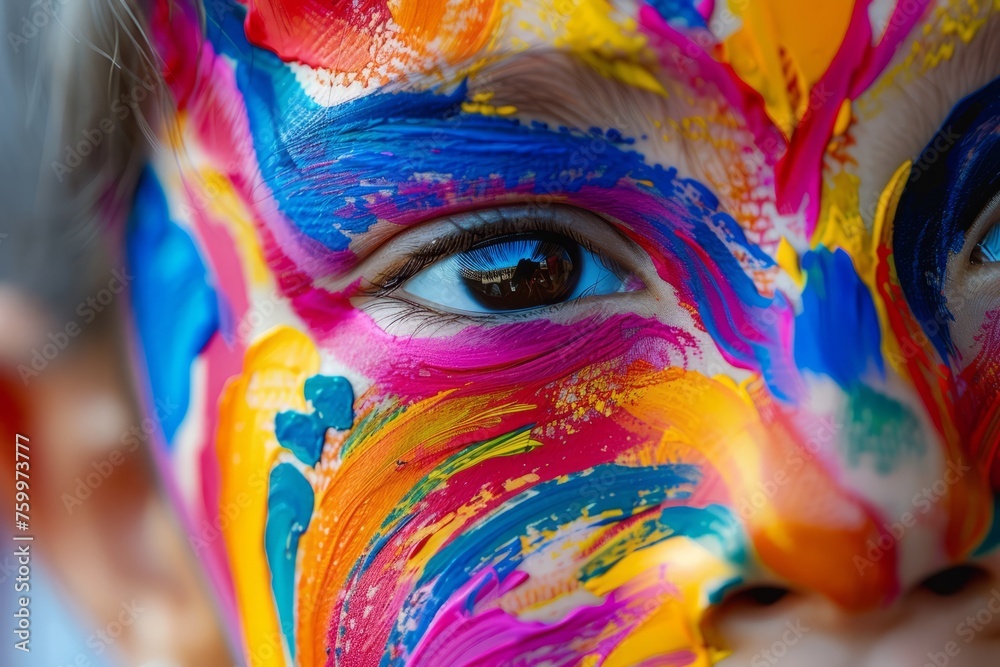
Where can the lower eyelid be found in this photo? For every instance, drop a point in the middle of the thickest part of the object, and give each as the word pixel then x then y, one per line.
pixel 399 316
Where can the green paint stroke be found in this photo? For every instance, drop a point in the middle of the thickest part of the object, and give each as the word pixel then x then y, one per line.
pixel 881 427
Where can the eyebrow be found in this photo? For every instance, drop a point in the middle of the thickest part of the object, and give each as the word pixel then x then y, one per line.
pixel 564 91
pixel 397 155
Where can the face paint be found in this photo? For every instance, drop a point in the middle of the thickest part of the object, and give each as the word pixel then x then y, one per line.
pixel 577 475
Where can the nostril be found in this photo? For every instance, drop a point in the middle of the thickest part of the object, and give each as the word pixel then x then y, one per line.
pixel 757 596
pixel 954 580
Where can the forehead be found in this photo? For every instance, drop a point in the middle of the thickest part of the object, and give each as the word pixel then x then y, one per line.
pixel 357 48
pixel 372 113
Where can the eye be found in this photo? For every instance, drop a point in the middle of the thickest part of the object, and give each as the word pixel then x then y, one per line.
pixel 518 272
pixel 987 251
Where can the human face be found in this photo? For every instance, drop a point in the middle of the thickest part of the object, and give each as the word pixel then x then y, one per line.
pixel 546 326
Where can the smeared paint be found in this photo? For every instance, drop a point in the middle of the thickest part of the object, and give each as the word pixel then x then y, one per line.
pixel 333 400
pixel 882 428
pixel 953 184
pixel 518 491
pixel 838 332
pixel 289 509
pixel 174 305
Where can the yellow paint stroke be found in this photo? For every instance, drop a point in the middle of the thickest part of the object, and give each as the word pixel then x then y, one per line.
pixel 959 20
pixel 225 205
pixel 675 575
pixel 275 369
pixel 783 48
pixel 843 119
pixel 392 451
pixel 518 482
pixel 609 42
pixel 885 213
pixel 706 423
pixel 788 259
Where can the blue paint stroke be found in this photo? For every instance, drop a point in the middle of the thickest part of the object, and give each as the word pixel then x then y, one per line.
pixel 951 183
pixel 837 333
pixel 498 541
pixel 175 308
pixel 334 171
pixel 301 433
pixel 333 399
pixel 713 525
pixel 679 13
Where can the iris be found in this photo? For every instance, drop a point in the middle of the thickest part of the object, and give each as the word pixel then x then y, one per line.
pixel 517 272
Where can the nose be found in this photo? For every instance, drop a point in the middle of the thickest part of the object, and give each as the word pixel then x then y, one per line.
pixel 865 545
pixel 949 619
pixel 852 515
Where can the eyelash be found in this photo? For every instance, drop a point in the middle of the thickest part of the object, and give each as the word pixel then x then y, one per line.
pixel 421 318
pixel 389 281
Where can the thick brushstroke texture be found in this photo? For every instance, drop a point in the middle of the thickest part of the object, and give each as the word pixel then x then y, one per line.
pixel 934 382
pixel 174 306
pixel 332 399
pixel 374 40
pixel 680 214
pixel 568 491
pixel 289 509
pixel 936 211
pixel 796 158
pixel 468 631
pixel 402 454
pixel 500 539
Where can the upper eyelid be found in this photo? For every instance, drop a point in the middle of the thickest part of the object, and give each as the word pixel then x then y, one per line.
pixel 987 220
pixel 519 219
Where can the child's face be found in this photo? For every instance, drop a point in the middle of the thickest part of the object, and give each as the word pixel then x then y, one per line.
pixel 545 325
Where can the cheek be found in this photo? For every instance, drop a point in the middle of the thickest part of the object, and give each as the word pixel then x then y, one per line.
pixel 525 482
pixel 545 476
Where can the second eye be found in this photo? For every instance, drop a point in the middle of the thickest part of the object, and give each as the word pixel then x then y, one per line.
pixel 518 272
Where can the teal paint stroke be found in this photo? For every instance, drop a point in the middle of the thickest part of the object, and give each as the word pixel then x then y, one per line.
pixel 290 502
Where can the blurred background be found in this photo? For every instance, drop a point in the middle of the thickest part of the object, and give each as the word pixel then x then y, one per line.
pixel 113 580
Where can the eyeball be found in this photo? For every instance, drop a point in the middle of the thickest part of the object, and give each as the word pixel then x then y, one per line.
pixel 518 272
pixel 987 251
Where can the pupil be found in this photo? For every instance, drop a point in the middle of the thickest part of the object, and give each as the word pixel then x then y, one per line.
pixel 521 271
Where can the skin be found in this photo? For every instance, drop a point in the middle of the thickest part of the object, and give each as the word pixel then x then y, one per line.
pixel 371 478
